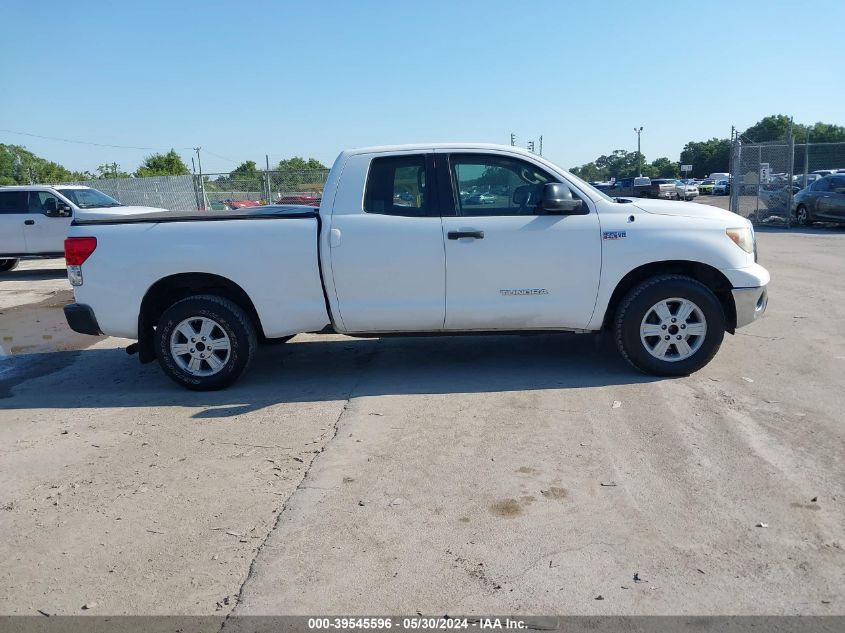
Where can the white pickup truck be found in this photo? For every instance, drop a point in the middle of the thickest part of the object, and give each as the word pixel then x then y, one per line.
pixel 394 248
pixel 34 219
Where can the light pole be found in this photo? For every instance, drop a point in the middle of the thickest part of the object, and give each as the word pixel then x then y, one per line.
pixel 639 131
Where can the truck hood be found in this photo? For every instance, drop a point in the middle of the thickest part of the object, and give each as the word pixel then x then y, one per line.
pixel 685 210
pixel 114 212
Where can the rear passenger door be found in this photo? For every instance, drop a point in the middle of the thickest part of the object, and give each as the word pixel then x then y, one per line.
pixel 386 247
pixel 13 214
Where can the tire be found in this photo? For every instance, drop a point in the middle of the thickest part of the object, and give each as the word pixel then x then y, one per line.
pixel 7 265
pixel 802 216
pixel 223 323
pixel 637 315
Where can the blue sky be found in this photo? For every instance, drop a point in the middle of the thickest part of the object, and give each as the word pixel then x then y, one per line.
pixel 245 79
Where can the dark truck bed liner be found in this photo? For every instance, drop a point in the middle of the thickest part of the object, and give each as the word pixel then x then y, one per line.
pixel 268 212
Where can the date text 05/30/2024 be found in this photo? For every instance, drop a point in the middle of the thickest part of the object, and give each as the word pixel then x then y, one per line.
pixel 415 623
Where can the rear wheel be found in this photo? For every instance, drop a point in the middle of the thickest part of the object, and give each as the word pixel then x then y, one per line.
pixel 669 326
pixel 205 342
pixel 8 264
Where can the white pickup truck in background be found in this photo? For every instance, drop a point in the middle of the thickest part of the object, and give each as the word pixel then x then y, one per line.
pixel 34 219
pixel 396 248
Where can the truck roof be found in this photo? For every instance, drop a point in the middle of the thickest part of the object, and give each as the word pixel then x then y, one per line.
pixel 40 187
pixel 429 146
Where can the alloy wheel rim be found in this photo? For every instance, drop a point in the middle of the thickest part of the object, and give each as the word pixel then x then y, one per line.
pixel 673 329
pixel 200 346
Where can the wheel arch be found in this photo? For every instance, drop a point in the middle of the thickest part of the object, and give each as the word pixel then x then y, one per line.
pixel 168 290
pixel 708 275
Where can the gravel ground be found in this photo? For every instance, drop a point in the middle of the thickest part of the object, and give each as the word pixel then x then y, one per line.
pixel 475 474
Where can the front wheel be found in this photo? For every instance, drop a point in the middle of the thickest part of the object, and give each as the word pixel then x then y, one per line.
pixel 205 342
pixel 802 216
pixel 669 326
pixel 8 264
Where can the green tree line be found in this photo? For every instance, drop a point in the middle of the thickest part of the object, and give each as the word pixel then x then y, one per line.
pixel 706 157
pixel 19 166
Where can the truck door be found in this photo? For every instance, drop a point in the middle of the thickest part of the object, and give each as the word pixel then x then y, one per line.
pixel 386 246
pixel 45 233
pixel 13 213
pixel 508 266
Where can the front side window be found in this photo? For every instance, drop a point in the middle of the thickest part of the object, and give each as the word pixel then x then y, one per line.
pixel 497 185
pixel 821 185
pixel 13 202
pixel 42 202
pixel 396 185
pixel 837 184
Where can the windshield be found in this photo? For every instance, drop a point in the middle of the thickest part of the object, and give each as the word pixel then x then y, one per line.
pixel 589 187
pixel 89 198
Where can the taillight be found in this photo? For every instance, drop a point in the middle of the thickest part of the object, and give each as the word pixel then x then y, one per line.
pixel 78 249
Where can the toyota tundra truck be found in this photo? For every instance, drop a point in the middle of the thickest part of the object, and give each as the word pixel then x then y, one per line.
pixel 395 249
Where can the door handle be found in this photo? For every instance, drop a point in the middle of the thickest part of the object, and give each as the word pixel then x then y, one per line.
pixel 29 222
pixel 456 235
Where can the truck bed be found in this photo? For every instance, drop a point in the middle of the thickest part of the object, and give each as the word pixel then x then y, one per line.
pixel 278 265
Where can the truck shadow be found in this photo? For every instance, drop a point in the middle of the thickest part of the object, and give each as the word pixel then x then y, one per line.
pixel 36 274
pixel 312 370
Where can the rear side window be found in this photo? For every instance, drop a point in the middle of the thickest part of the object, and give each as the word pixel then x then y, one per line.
pixel 396 185
pixel 13 202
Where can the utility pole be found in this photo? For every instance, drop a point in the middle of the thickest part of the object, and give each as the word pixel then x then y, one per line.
pixel 639 131
pixel 513 138
pixel 541 145
pixel 267 174
pixel 202 184
pixel 530 146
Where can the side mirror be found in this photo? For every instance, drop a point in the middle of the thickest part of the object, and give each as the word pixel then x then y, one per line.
pixel 558 200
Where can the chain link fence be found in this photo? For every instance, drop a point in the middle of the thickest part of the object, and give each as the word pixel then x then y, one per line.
pixel 176 193
pixel 233 190
pixel 766 176
pixel 215 192
pixel 761 181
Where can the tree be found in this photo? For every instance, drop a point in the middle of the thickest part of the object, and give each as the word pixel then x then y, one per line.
pixel 110 170
pixel 707 157
pixel 823 133
pixel 298 173
pixel 663 168
pixel 169 164
pixel 299 163
pixel 18 166
pixel 770 128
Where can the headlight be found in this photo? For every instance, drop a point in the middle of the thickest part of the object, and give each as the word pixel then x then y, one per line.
pixel 744 238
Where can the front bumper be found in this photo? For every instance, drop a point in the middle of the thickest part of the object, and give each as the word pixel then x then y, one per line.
pixel 750 304
pixel 80 318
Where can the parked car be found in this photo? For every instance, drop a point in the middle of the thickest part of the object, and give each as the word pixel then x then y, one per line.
pixel 480 198
pixel 662 188
pixel 311 200
pixel 34 219
pixel 822 200
pixel 555 255
pixel 705 187
pixel 637 187
pixel 240 204
pixel 798 180
pixel 722 188
pixel 828 172
pixel 686 190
